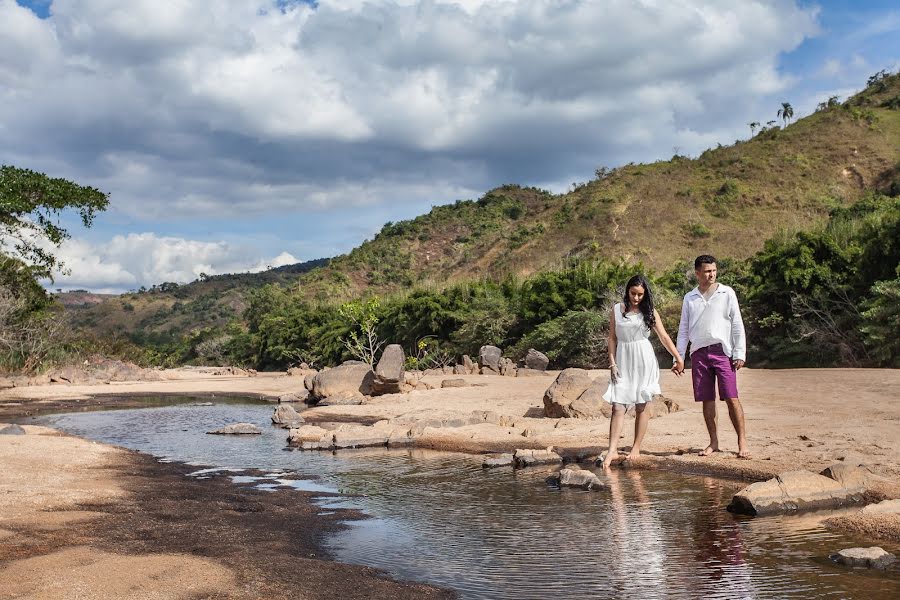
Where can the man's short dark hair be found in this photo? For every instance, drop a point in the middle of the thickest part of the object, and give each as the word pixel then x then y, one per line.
pixel 704 259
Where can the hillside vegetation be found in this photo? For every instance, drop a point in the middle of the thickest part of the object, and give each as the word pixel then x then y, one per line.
pixel 521 266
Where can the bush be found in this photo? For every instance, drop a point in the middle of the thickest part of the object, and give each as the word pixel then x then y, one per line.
pixel 576 339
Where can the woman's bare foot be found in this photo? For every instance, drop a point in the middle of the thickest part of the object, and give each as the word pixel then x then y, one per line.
pixel 708 450
pixel 635 454
pixel 607 462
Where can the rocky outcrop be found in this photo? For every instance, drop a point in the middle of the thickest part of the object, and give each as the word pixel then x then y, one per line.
pixel 390 375
pixel 870 558
pixel 342 398
pixel 793 491
pixel 345 379
pixel 489 360
pixel 850 475
pixel 498 460
pixel 349 436
pixel 530 457
pixel 536 360
pixel 507 367
pixel 574 476
pixel 308 381
pixel 294 397
pixel 286 416
pixel 566 389
pixel 12 430
pixel 469 365
pixel 237 429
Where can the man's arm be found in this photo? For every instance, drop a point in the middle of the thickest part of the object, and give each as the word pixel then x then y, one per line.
pixel 684 327
pixel 738 336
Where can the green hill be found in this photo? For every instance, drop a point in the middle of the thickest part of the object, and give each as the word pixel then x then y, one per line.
pixel 727 202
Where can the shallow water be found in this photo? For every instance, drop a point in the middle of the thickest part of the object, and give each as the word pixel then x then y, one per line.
pixel 442 519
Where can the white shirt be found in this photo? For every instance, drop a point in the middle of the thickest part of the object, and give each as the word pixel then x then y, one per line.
pixel 714 321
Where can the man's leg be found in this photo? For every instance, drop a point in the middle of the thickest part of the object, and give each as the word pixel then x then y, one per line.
pixel 641 416
pixel 709 415
pixel 736 412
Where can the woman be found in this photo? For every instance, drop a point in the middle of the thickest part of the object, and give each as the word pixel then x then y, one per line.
pixel 633 370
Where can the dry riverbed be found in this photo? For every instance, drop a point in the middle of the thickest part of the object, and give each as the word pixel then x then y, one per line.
pixel 72 511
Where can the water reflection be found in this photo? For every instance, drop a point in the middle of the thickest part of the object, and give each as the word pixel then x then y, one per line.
pixel 441 518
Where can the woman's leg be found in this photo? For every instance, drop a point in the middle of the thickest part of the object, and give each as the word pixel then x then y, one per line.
pixel 615 430
pixel 641 417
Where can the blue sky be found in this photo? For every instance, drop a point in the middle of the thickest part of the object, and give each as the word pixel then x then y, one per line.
pixel 241 134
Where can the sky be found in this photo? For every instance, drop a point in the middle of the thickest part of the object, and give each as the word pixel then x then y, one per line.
pixel 239 135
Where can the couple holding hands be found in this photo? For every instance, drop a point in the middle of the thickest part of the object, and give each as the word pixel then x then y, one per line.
pixel 710 322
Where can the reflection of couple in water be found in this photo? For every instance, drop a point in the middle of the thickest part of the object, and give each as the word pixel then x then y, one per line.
pixel 710 322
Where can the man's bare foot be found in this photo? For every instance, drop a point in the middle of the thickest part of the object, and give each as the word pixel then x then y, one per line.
pixel 708 450
pixel 744 454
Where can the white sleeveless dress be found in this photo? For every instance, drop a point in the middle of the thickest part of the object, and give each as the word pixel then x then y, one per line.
pixel 638 370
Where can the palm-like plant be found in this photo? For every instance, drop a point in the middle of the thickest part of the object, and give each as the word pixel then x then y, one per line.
pixel 754 125
pixel 786 112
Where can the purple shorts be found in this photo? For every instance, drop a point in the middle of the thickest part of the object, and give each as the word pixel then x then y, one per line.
pixel 708 365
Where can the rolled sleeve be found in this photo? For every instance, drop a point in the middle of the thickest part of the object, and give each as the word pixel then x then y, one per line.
pixel 738 335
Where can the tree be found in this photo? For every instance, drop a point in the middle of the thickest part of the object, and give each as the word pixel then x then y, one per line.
pixel 754 125
pixel 786 112
pixel 30 206
pixel 362 341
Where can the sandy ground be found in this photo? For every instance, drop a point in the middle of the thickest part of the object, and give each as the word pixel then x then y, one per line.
pixel 796 419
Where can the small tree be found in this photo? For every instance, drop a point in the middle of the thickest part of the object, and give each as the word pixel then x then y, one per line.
pixel 786 112
pixel 362 341
pixel 754 125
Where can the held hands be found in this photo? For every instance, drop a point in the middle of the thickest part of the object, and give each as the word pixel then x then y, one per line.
pixel 613 373
pixel 678 366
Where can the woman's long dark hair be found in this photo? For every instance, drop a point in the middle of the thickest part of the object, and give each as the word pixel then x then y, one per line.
pixel 646 304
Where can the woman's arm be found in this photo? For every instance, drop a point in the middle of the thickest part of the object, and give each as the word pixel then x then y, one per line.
pixel 667 343
pixel 611 346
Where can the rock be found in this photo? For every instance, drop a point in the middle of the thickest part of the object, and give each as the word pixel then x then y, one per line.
pixel 301 371
pixel 528 432
pixel 885 507
pixel 350 378
pixel 470 366
pixel 12 430
pixel 590 404
pixel 871 558
pixel 792 491
pixel 454 383
pixel 237 429
pixel 531 458
pixel 536 360
pixel 390 368
pixel 310 433
pixel 285 415
pixel 573 476
pixel 460 370
pixel 359 439
pixel 308 381
pixel 565 389
pixel 507 367
pixel 850 475
pixel 526 372
pixel 489 359
pixel 294 397
pixel 498 460
pixel 342 398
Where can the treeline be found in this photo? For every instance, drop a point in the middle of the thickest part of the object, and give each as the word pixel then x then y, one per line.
pixel 825 297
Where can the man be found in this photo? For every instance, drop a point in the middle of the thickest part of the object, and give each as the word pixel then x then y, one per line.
pixel 711 322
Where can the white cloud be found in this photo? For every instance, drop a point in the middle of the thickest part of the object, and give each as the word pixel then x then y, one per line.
pixel 130 261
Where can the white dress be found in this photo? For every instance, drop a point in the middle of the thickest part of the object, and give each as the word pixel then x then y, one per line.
pixel 638 370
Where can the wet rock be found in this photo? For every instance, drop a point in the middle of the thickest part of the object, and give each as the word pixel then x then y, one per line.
pixel 489 360
pixel 12 430
pixel 359 439
pixel 237 429
pixel 286 416
pixel 345 378
pixel 536 360
pixel 568 386
pixel 870 558
pixel 498 460
pixel 530 457
pixel 342 398
pixel 574 476
pixel 310 433
pixel 793 491
pixel 851 475
pixel 454 383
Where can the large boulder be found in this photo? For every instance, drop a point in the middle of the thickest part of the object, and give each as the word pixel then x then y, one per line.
pixel 471 367
pixel 565 389
pixel 390 368
pixel 286 416
pixel 590 404
pixel 345 378
pixel 489 359
pixel 536 360
pixel 237 429
pixel 871 558
pixel 308 381
pixel 793 491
